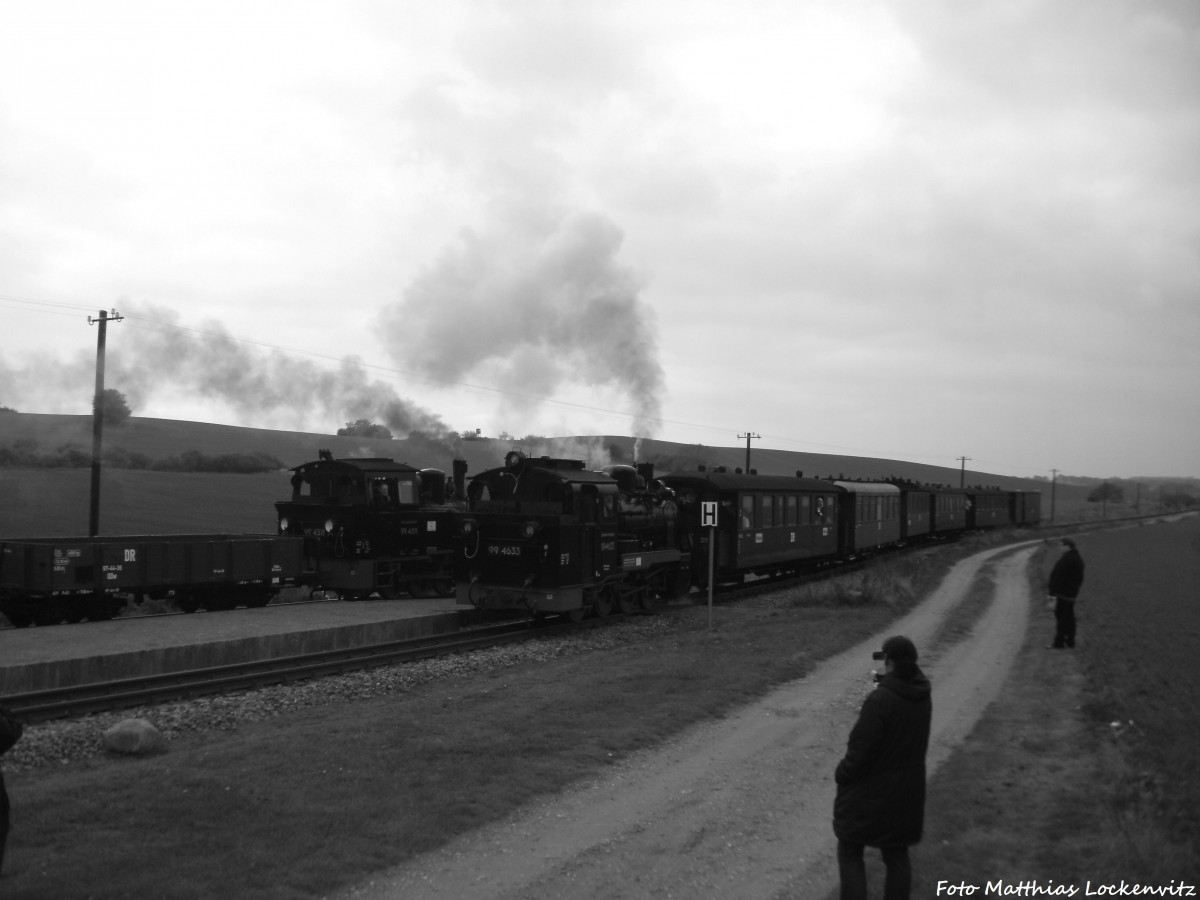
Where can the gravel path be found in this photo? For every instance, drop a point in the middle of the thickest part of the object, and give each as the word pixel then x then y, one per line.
pixel 739 808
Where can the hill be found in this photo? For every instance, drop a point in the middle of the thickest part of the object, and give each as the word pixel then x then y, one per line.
pixel 54 502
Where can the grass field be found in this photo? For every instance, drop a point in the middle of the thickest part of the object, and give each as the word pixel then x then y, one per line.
pixel 1046 787
pixel 1087 769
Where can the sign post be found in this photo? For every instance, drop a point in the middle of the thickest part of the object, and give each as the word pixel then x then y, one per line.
pixel 708 519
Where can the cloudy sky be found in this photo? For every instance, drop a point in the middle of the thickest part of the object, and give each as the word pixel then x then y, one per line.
pixel 916 229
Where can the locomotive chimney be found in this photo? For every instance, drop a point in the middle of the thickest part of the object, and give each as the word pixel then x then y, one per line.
pixel 460 478
pixel 646 470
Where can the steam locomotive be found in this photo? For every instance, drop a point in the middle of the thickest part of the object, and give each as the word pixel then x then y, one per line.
pixel 373 526
pixel 548 536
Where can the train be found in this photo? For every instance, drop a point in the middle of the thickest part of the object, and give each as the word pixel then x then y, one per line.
pixel 540 535
pixel 546 536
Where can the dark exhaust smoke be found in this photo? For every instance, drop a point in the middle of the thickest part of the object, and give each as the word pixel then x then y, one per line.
pixel 264 386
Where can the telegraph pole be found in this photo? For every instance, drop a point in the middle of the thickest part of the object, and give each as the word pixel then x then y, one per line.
pixel 962 478
pixel 98 416
pixel 748 436
pixel 1053 486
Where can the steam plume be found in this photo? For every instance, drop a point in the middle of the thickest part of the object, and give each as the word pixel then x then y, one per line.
pixel 261 386
pixel 539 308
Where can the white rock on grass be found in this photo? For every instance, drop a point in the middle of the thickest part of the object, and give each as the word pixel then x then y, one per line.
pixel 134 736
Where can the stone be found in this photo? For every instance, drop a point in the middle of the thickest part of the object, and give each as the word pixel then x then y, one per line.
pixel 135 736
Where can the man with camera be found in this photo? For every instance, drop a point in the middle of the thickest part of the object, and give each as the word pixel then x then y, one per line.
pixel 881 780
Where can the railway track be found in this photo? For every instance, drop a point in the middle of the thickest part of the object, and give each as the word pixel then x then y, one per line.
pixel 81 700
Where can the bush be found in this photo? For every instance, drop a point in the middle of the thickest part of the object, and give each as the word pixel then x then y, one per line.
pixel 228 463
pixel 365 428
pixel 116 408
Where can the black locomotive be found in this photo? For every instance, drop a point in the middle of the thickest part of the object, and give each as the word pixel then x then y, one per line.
pixel 373 526
pixel 547 536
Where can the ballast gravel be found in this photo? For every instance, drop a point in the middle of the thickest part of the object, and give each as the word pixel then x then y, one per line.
pixel 60 742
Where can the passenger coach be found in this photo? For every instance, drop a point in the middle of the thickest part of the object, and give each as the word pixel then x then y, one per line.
pixel 766 524
pixel 869 517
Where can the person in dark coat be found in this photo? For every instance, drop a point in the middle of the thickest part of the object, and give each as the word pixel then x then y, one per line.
pixel 10 732
pixel 881 780
pixel 1065 580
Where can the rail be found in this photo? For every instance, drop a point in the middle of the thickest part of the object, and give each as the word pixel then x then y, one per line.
pixel 79 700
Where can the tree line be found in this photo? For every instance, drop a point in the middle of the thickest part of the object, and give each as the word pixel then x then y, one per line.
pixel 31 454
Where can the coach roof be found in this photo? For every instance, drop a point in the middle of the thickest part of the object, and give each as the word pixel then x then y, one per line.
pixel 725 482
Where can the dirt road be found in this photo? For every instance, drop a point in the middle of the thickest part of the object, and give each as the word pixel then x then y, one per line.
pixel 739 808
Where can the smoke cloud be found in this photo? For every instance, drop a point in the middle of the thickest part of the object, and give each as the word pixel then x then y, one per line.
pixel 534 309
pixel 265 387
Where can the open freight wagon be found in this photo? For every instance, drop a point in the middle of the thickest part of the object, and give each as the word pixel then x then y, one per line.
pixel 44 581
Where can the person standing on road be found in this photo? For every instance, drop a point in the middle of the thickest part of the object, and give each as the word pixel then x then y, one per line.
pixel 881 780
pixel 10 732
pixel 1065 580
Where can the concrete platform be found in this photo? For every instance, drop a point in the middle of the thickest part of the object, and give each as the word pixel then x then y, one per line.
pixel 33 659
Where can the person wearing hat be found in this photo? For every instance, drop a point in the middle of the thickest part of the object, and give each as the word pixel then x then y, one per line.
pixel 1065 580
pixel 881 780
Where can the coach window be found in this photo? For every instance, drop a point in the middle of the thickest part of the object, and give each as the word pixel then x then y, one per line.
pixel 790 517
pixel 767 520
pixel 806 510
pixel 747 511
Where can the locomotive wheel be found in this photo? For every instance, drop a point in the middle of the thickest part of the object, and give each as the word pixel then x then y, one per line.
pixel 442 587
pixel 574 615
pixel 603 604
pixel 626 600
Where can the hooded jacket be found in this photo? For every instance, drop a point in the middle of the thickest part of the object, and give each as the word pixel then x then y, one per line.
pixel 881 780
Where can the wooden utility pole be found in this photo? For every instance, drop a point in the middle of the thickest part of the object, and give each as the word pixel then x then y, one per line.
pixel 962 478
pixel 748 435
pixel 98 417
pixel 1053 486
